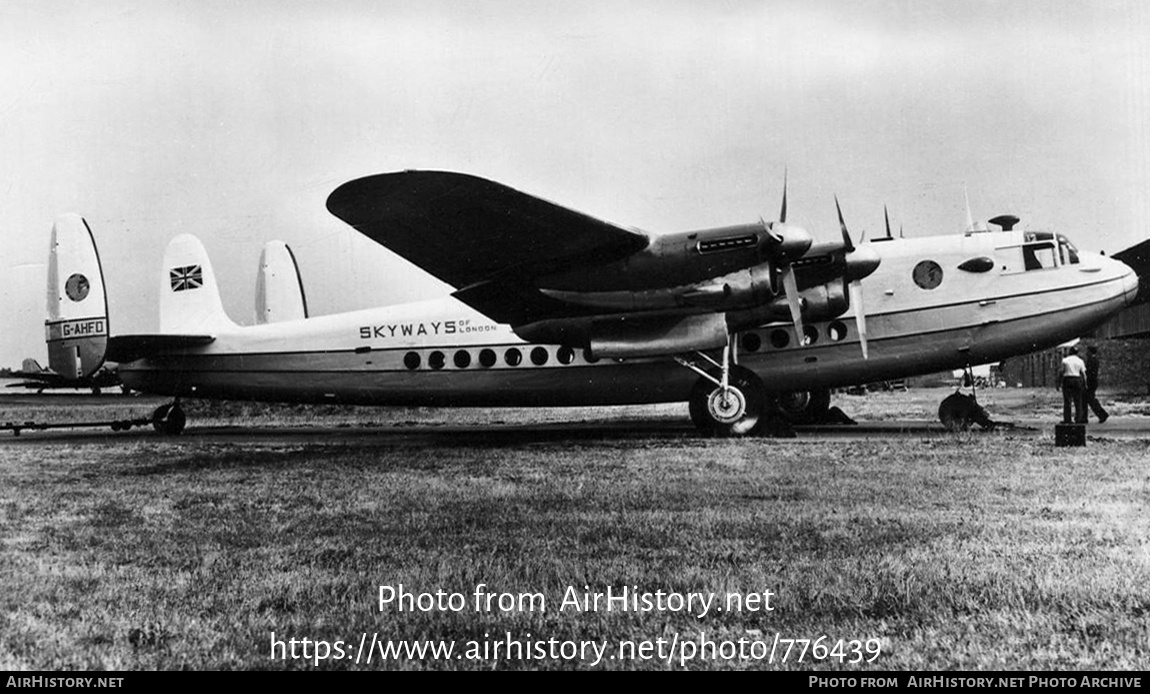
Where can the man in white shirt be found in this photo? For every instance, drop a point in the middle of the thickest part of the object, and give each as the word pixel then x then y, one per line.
pixel 1073 384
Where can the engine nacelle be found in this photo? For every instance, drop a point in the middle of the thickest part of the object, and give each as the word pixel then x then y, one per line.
pixel 825 301
pixel 740 289
pixel 820 303
pixel 632 336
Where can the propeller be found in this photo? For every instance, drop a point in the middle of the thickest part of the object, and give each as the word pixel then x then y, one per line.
pixel 799 238
pixel 886 216
pixel 860 262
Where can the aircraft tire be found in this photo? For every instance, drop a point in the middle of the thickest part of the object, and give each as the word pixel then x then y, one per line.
pixel 169 420
pixel 737 413
pixel 805 406
pixel 955 412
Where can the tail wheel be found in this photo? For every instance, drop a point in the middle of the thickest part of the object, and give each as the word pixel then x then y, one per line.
pixel 169 420
pixel 805 406
pixel 734 411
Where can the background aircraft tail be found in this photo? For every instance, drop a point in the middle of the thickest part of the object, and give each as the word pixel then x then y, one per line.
pixel 279 287
pixel 77 326
pixel 189 297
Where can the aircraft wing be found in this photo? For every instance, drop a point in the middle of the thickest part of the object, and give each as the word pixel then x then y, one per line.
pixel 481 237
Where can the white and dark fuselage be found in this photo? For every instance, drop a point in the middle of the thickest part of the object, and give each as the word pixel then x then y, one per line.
pixel 933 304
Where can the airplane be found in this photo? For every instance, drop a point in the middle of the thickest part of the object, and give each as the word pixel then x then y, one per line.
pixel 750 324
pixel 38 378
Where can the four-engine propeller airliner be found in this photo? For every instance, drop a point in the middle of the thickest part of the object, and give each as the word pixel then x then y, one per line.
pixel 553 307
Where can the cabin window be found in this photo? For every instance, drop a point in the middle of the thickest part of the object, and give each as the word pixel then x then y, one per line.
pixel 752 342
pixel 539 356
pixel 462 359
pixel 565 355
pixel 927 274
pixel 435 360
pixel 836 331
pixel 487 358
pixel 589 357
pixel 411 360
pixel 513 357
pixel 811 333
pixel 780 339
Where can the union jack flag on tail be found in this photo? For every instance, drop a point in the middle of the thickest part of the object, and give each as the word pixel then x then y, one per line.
pixel 188 277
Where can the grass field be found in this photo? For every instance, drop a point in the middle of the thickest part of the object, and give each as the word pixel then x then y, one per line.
pixel 969 551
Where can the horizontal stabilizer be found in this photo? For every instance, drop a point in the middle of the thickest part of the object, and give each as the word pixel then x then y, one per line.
pixel 126 348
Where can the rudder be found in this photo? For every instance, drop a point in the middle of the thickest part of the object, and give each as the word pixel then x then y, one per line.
pixel 76 329
pixel 279 287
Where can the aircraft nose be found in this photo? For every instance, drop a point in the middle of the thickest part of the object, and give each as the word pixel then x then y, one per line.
pixel 1130 286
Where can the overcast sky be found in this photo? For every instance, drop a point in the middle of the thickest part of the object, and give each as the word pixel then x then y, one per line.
pixel 234 120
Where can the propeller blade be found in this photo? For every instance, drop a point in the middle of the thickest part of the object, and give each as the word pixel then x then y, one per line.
pixel 969 216
pixel 887 216
pixel 847 243
pixel 783 212
pixel 856 300
pixel 792 288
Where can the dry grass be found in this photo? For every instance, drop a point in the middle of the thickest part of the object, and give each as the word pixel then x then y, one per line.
pixel 993 551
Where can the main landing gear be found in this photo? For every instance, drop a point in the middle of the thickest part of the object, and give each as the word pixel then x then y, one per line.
pixel 728 399
pixel 169 419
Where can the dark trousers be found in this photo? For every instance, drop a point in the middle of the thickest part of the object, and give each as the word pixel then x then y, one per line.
pixel 1095 406
pixel 1073 391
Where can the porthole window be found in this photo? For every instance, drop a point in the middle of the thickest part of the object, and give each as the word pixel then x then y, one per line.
pixel 513 357
pixel 752 342
pixel 836 331
pixel 565 355
pixel 589 357
pixel 927 274
pixel 811 333
pixel 539 356
pixel 435 360
pixel 411 360
pixel 780 338
pixel 462 359
pixel 487 358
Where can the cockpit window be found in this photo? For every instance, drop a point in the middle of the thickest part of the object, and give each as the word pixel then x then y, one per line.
pixel 1038 256
pixel 1066 251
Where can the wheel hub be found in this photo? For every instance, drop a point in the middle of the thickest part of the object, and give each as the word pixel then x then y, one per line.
pixel 727 405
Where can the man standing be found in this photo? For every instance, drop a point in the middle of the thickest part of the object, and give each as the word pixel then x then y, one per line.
pixel 1092 365
pixel 1073 386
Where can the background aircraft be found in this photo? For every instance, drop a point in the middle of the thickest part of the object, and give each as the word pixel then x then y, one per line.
pixel 554 307
pixel 38 378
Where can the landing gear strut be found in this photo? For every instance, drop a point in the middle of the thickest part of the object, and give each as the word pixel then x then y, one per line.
pixel 728 399
pixel 169 419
